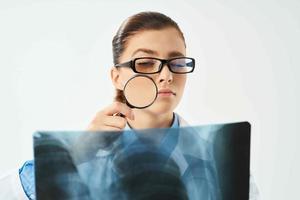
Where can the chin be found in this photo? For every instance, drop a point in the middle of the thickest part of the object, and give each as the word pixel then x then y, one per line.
pixel 162 108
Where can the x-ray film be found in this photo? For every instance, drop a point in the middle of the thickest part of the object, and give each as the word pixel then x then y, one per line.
pixel 209 162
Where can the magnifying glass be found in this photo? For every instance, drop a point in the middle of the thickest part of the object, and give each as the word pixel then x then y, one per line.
pixel 140 92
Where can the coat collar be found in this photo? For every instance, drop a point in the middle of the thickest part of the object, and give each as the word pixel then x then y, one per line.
pixel 182 122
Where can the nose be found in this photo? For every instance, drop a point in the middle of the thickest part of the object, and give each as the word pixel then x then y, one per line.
pixel 165 75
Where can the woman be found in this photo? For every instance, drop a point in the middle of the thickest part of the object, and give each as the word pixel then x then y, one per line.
pixel 146 43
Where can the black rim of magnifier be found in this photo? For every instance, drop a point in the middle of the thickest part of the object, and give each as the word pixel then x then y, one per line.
pixel 132 106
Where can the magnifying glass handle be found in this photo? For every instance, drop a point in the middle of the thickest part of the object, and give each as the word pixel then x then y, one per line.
pixel 119 114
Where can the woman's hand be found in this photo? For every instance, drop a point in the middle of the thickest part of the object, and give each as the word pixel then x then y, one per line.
pixel 107 120
pixel 89 143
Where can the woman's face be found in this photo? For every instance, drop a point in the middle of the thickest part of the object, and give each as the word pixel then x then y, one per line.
pixel 164 44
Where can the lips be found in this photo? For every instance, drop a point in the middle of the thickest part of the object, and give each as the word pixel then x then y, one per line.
pixel 166 92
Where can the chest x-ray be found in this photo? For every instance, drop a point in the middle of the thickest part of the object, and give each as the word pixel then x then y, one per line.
pixel 199 162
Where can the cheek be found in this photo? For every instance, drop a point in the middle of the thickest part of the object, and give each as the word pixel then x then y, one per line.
pixel 179 82
pixel 125 74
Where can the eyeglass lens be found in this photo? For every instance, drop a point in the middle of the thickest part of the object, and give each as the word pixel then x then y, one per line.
pixel 150 65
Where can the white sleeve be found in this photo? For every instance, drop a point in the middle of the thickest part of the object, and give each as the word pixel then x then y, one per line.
pixel 10 186
pixel 253 190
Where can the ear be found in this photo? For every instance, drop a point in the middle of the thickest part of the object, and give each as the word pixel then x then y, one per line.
pixel 115 78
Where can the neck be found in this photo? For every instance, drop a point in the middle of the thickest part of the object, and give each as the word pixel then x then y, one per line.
pixel 144 120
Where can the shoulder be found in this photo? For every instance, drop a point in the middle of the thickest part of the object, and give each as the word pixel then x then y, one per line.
pixel 11 188
pixel 253 189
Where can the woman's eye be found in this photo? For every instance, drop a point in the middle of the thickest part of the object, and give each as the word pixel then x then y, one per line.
pixel 178 64
pixel 145 64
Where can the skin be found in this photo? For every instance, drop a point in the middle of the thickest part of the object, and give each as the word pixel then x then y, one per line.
pixel 164 44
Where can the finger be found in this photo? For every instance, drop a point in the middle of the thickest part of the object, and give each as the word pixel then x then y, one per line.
pixel 115 121
pixel 94 127
pixel 118 107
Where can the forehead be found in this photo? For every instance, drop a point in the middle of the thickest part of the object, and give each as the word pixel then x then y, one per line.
pixel 163 43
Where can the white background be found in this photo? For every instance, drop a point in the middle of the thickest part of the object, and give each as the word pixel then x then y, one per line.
pixel 55 58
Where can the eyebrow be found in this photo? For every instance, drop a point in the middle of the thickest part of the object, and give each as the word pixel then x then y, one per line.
pixel 149 51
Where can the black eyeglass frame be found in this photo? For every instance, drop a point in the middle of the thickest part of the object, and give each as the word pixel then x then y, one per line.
pixel 131 64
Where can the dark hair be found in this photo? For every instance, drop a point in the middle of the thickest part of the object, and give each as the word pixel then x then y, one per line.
pixel 138 22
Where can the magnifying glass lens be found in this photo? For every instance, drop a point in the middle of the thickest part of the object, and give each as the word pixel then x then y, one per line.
pixel 140 91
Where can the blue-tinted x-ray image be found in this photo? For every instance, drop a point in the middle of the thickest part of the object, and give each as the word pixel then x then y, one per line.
pixel 208 162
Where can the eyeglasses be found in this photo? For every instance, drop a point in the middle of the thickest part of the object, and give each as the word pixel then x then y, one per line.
pixel 149 65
